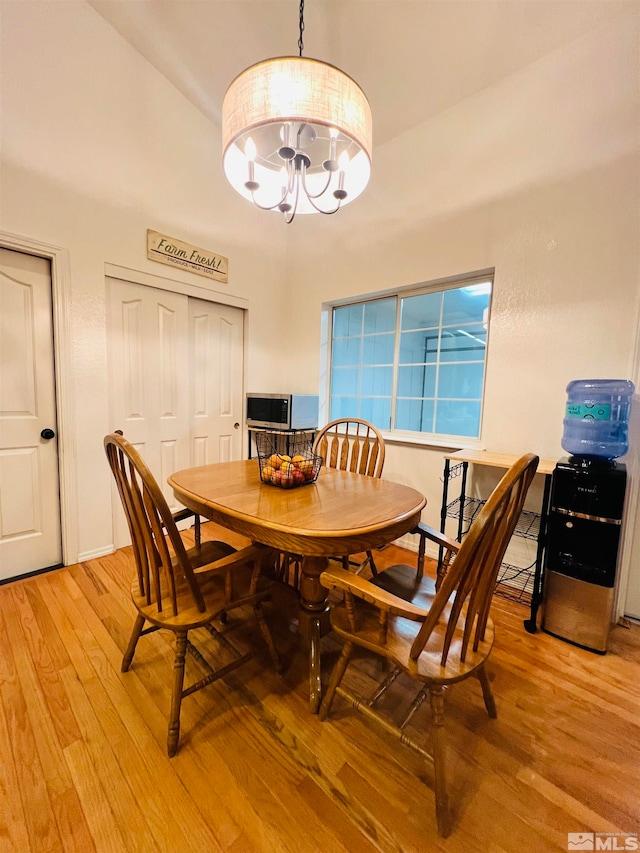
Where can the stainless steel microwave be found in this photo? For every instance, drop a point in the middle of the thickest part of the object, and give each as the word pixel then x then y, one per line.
pixel 282 411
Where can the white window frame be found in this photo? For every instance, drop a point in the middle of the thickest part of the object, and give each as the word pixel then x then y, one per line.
pixel 439 285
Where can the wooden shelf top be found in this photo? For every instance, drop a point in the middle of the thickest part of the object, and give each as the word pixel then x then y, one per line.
pixel 497 460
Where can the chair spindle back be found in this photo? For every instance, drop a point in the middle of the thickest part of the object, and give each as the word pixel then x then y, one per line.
pixel 151 524
pixel 351 444
pixel 468 586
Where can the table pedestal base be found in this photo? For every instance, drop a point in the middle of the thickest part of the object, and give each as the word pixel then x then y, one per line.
pixel 313 621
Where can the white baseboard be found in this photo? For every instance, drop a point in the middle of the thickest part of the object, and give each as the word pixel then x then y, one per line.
pixel 408 542
pixel 97 552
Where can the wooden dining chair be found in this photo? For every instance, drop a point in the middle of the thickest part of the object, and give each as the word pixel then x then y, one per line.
pixel 179 589
pixel 348 444
pixel 352 444
pixel 437 637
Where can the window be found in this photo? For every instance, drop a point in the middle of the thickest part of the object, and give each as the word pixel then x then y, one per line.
pixel 414 362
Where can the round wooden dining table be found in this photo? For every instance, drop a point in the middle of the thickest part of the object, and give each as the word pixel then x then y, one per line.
pixel 341 513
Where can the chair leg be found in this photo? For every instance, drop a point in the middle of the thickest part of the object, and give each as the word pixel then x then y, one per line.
pixel 280 568
pixel 334 682
pixel 436 696
pixel 266 633
pixel 368 562
pixel 198 532
pixel 372 565
pixel 133 642
pixel 489 701
pixel 284 570
pixel 176 696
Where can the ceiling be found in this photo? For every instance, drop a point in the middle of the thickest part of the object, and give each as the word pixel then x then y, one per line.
pixel 413 58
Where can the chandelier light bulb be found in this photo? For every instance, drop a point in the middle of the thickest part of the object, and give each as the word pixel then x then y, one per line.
pixel 343 164
pixel 250 152
pixel 250 149
pixel 331 164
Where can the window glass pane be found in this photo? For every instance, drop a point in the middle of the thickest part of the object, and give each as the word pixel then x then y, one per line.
pixel 456 417
pixel 343 407
pixel 416 381
pixel 345 381
pixel 376 410
pixel 376 380
pixel 432 356
pixel 465 305
pixel 418 347
pixel 346 352
pixel 421 312
pixel 461 380
pixel 380 316
pixel 347 321
pixel 414 415
pixel 464 344
pixel 378 349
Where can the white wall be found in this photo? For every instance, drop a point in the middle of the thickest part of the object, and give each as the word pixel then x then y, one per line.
pixel 96 148
pixel 536 176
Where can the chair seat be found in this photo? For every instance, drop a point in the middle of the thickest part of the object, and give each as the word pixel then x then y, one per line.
pixel 402 632
pixel 403 582
pixel 208 552
pixel 213 590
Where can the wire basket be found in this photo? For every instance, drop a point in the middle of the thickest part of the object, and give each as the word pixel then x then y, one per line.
pixel 287 461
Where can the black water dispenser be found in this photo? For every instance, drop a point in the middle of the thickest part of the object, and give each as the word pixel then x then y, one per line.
pixel 581 557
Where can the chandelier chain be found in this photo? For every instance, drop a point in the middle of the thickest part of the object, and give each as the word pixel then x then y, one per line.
pixel 300 42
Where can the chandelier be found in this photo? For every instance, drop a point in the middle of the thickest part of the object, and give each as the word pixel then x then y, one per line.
pixel 296 135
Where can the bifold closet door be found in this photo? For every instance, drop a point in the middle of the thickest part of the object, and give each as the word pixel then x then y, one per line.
pixel 175 380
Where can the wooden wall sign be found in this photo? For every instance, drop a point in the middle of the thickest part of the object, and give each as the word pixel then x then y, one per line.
pixel 175 253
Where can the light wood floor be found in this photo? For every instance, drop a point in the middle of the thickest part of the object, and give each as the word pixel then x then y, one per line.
pixel 83 763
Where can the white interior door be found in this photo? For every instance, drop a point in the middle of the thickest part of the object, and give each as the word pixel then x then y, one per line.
pixel 215 359
pixel 30 537
pixel 175 378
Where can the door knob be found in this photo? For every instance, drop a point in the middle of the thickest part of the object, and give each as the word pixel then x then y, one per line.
pixel 47 433
pixel 236 425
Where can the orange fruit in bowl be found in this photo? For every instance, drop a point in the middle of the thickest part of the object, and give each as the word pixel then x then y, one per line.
pixel 287 467
pixel 275 460
pixel 267 473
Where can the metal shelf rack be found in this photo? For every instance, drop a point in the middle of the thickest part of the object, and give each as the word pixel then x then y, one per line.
pixel 518 583
pixel 528 526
